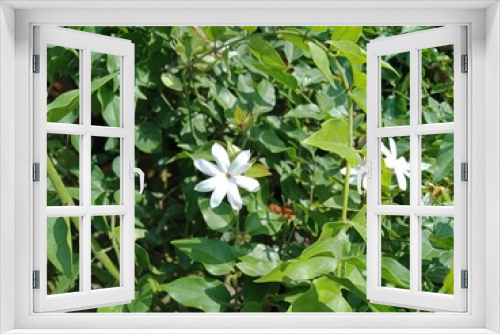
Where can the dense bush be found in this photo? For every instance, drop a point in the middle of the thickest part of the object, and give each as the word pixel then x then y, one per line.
pixel 295 97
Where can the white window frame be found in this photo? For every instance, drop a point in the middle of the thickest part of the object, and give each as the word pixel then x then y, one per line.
pixel 482 316
pixel 414 43
pixel 86 43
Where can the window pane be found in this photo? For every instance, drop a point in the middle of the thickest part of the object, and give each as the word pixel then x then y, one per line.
pixel 105 73
pixel 437 84
pixel 105 171
pixel 63 252
pixel 106 234
pixel 437 169
pixel 63 170
pixel 395 89
pixel 437 254
pixel 63 81
pixel 395 170
pixel 395 252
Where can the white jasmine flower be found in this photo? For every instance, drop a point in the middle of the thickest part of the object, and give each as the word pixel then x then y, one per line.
pixel 354 174
pixel 226 177
pixel 398 165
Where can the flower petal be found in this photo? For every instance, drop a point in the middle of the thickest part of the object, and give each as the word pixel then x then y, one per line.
pixel 247 183
pixel 238 166
pixel 385 151
pixel 209 184
pixel 401 179
pixel 206 167
pixel 221 157
pixel 219 192
pixel 394 149
pixel 233 196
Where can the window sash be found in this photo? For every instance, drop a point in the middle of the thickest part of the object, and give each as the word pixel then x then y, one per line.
pixel 86 298
pixel 413 43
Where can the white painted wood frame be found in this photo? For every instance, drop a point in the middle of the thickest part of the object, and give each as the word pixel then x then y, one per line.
pixel 85 43
pixel 483 17
pixel 414 43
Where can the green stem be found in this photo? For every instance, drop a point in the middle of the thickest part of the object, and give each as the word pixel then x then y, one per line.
pixel 313 185
pixel 237 229
pixel 68 201
pixel 345 83
pixel 345 200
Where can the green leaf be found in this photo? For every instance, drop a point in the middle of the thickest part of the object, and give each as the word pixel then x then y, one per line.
pixel 444 161
pixel 220 219
pixel 266 91
pixel 265 52
pixel 318 29
pixel 297 41
pixel 224 97
pixel 395 272
pixel 334 137
pixel 110 106
pixel 171 81
pixel 359 96
pixel 258 170
pixel 69 101
pixel 259 261
pixel 263 222
pixel 306 111
pixel 347 33
pixel 297 271
pixel 98 83
pixel 63 105
pixel 324 295
pixel 250 29
pixel 205 294
pixel 448 285
pixel 59 245
pixel 359 222
pixel 321 60
pixel 215 255
pixel 278 75
pixel 350 50
pixel 148 137
pixel 337 246
pixel 268 137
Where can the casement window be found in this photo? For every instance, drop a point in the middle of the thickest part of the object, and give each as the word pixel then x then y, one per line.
pixel 414 130
pixel 66 217
pixel 471 237
pixel 60 221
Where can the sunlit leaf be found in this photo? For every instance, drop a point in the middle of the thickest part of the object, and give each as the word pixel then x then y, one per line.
pixel 334 137
pixel 216 255
pixel 321 60
pixel 205 294
pixel 265 52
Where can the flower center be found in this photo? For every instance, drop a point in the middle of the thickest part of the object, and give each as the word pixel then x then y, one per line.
pixel 228 176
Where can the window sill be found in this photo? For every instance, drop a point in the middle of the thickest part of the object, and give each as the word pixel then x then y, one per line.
pixel 252 331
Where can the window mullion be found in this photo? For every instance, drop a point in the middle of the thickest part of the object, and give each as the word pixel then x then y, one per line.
pixel 86 180
pixel 414 171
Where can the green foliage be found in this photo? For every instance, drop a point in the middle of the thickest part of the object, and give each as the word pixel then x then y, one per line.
pixel 295 97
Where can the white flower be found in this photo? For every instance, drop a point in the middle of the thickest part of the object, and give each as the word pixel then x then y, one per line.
pixel 354 173
pixel 226 177
pixel 398 165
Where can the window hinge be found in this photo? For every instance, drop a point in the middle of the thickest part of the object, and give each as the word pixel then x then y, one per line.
pixel 464 173
pixel 465 64
pixel 36 172
pixel 465 279
pixel 36 279
pixel 36 63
